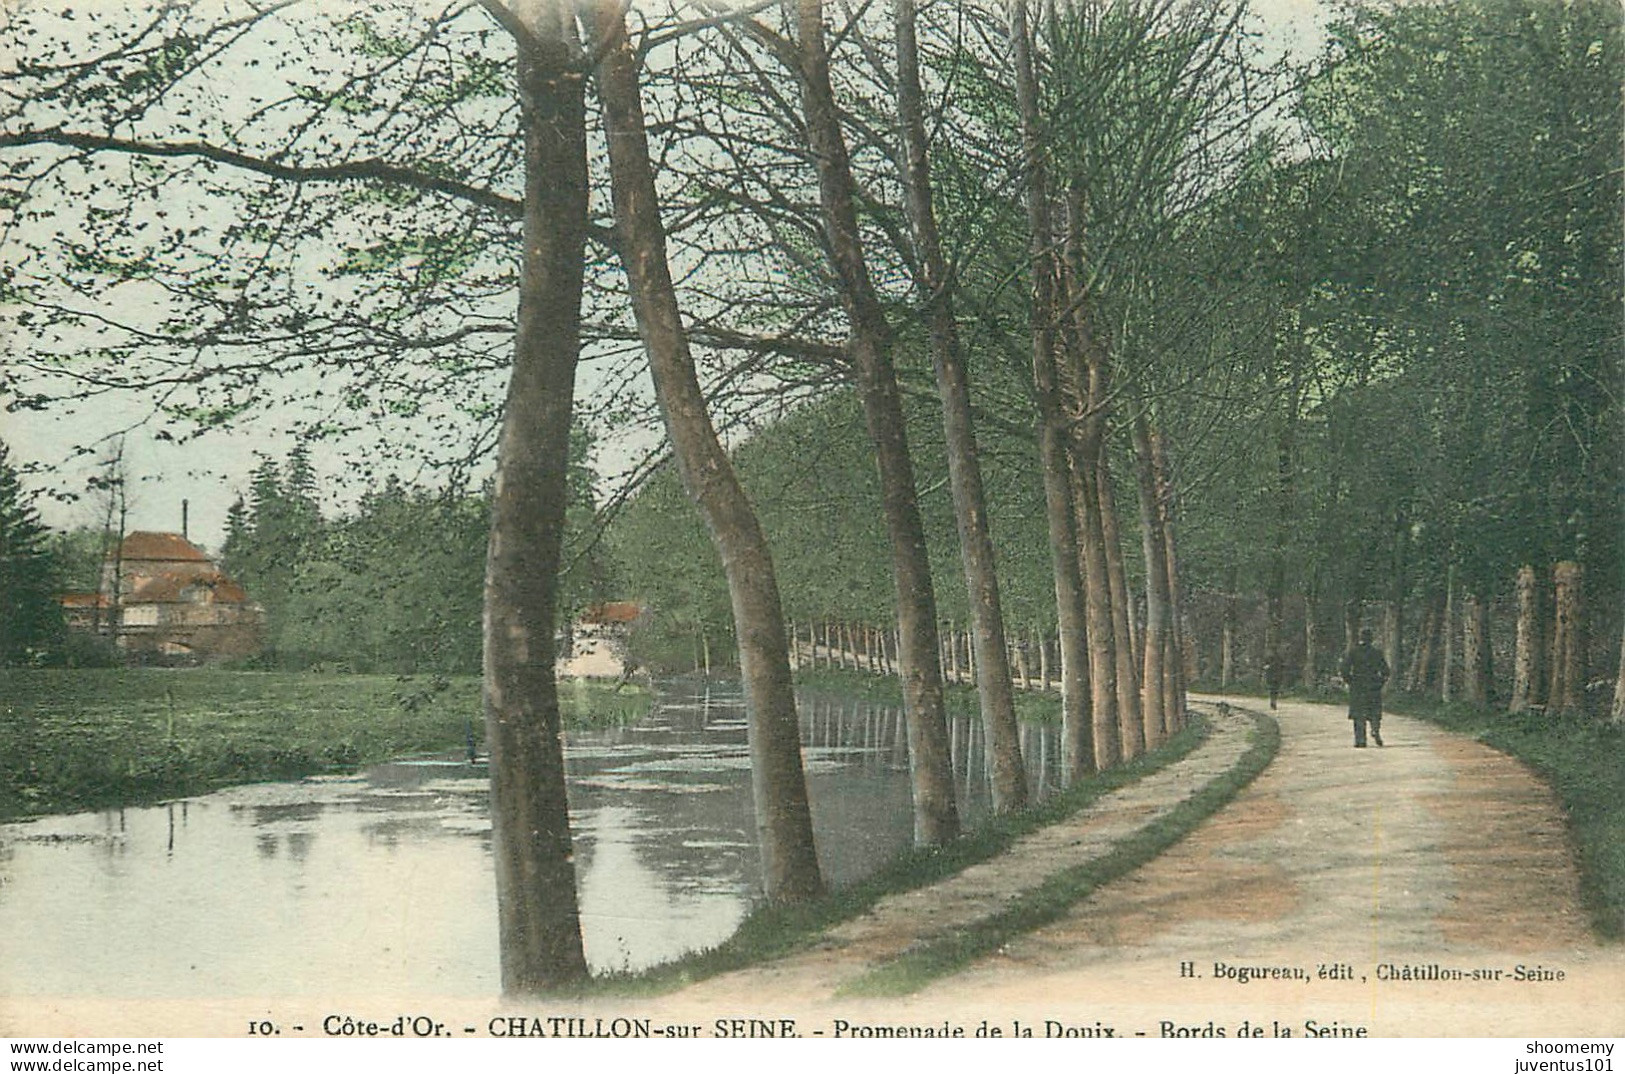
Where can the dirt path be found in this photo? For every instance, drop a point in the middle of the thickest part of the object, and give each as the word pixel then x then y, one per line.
pixel 1395 872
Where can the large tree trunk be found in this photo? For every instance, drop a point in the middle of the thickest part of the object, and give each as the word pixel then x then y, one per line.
pixel 1423 667
pixel 936 820
pixel 1077 747
pixel 1227 634
pixel 1043 658
pixel 1091 374
pixel 1286 464
pixel 1174 670
pixel 1447 639
pixel 1111 742
pixel 1352 609
pixel 1392 632
pixel 1153 683
pixel 1311 642
pixel 1128 670
pixel 538 924
pixel 783 820
pixel 1617 714
pixel 1393 612
pixel 1475 650
pixel 1527 648
pixel 1567 693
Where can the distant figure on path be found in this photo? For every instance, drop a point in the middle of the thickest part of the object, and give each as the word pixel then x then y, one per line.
pixel 1272 679
pixel 1365 671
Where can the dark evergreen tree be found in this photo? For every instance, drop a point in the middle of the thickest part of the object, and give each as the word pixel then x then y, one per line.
pixel 30 617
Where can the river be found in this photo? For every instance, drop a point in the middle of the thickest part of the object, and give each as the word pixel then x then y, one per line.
pixel 381 882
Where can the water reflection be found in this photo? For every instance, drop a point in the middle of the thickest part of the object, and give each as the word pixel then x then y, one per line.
pixel 382 882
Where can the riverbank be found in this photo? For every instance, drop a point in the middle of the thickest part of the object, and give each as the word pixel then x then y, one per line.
pixel 82 739
pixel 774 932
pixel 935 913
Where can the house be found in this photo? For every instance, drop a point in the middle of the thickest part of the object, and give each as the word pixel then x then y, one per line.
pixel 597 640
pixel 165 601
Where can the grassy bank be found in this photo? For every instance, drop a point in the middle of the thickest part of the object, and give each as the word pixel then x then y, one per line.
pixel 774 931
pixel 73 740
pixel 1583 760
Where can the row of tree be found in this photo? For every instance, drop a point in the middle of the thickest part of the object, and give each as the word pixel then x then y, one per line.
pixel 1117 247
pixel 393 584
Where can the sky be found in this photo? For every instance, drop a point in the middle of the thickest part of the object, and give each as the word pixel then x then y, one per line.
pixel 209 473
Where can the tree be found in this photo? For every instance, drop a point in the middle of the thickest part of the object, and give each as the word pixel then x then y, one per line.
pixel 869 344
pixel 783 818
pixel 1061 507
pixel 30 618
pixel 936 285
pixel 342 137
pixel 1486 136
pixel 530 818
pixel 111 486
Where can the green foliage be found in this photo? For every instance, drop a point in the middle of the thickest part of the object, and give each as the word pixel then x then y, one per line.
pixel 1436 381
pixel 396 586
pixel 31 628
pixel 1473 264
pixel 812 480
pixel 78 553
pixel 660 546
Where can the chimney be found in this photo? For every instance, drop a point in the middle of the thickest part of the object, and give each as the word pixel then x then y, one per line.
pixel 184 506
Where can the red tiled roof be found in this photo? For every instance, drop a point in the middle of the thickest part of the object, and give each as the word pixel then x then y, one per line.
pixel 613 611
pixel 167 546
pixel 82 600
pixel 170 587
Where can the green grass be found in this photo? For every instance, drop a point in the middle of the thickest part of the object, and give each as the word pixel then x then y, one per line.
pixel 924 963
pixel 1583 760
pixel 74 740
pixel 773 931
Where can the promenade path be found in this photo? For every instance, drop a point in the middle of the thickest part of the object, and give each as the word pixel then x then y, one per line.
pixel 1423 888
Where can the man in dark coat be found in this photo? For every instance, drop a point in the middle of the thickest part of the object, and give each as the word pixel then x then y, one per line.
pixel 1365 671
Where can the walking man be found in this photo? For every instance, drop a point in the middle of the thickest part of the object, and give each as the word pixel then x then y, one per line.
pixel 1365 671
